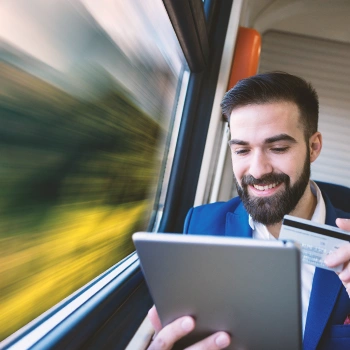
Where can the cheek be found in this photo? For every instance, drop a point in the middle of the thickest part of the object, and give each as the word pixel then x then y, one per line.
pixel 293 167
pixel 238 171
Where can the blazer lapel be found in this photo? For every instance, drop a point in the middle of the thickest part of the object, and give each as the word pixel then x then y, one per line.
pixel 237 223
pixel 325 289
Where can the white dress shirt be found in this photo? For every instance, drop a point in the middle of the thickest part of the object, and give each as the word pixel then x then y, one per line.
pixel 307 271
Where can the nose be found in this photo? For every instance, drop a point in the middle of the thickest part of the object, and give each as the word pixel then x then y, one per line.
pixel 260 165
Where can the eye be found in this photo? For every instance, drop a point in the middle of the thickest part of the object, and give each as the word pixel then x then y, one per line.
pixel 279 149
pixel 241 151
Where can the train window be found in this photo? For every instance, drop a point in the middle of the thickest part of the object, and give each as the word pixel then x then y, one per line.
pixel 88 101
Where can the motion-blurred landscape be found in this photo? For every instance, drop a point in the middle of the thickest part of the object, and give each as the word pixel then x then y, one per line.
pixel 80 156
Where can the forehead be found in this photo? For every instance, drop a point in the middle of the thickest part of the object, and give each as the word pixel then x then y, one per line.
pixel 260 121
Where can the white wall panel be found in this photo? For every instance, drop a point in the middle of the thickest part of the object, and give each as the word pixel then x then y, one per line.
pixel 326 64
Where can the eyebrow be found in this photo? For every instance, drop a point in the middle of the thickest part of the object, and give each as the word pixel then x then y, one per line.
pixel 272 139
pixel 281 137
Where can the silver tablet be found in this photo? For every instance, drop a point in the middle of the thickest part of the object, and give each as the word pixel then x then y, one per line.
pixel 249 288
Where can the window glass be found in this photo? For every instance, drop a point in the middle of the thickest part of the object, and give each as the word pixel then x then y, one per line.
pixel 88 91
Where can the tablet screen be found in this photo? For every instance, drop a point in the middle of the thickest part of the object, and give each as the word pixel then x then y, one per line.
pixel 249 288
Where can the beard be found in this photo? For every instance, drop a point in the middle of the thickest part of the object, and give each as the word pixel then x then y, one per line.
pixel 270 210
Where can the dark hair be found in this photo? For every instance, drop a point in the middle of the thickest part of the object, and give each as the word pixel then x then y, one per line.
pixel 275 87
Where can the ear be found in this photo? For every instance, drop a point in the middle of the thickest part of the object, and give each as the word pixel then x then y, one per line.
pixel 315 146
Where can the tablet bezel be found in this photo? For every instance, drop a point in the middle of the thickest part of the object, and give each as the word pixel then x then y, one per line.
pixel 250 288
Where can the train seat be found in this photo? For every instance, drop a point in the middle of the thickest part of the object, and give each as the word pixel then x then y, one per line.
pixel 339 195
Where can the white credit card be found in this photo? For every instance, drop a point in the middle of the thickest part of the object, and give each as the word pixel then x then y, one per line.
pixel 316 240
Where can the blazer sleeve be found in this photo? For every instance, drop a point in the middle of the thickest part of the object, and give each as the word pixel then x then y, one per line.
pixel 187 221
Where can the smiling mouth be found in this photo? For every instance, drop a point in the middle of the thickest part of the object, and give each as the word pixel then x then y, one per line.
pixel 266 187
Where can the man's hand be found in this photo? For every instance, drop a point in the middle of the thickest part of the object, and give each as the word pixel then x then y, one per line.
pixel 342 256
pixel 166 337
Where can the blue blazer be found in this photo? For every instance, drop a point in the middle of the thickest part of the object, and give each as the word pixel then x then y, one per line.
pixel 329 302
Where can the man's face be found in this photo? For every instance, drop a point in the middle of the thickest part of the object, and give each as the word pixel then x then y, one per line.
pixel 270 159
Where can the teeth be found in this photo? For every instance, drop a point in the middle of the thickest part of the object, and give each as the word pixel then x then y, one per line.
pixel 264 188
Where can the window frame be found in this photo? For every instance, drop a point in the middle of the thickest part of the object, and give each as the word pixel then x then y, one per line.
pixel 100 319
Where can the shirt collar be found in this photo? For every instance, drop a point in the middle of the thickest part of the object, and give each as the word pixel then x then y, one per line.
pixel 319 214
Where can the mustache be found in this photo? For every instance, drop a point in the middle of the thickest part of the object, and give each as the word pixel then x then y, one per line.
pixel 265 179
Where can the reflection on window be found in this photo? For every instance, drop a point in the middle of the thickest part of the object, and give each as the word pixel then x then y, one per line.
pixel 87 90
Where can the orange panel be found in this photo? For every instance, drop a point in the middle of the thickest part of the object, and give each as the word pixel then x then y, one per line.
pixel 247 53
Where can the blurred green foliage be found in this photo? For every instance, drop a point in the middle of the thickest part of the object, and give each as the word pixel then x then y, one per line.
pixel 58 149
pixel 64 160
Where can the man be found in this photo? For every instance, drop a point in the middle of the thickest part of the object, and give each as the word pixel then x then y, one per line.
pixel 273 119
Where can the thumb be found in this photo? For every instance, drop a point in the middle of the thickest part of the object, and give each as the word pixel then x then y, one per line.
pixel 154 318
pixel 344 224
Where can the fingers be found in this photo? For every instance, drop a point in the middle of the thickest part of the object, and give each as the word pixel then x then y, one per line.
pixel 345 274
pixel 219 340
pixel 171 333
pixel 342 256
pixel 338 257
pixel 344 224
pixel 154 318
pixel 166 338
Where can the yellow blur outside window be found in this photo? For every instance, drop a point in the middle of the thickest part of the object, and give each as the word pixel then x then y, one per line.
pixel 87 96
